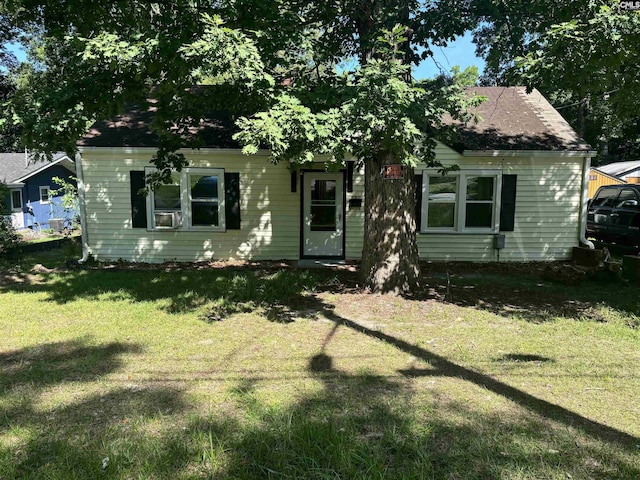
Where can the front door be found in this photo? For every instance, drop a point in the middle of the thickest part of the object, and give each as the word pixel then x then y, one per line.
pixel 17 217
pixel 322 215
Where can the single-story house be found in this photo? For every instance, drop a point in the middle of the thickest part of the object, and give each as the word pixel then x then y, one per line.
pixel 520 194
pixel 32 198
pixel 598 178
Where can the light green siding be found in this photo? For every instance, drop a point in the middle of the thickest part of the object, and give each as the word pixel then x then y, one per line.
pixel 270 213
pixel 354 226
pixel 546 221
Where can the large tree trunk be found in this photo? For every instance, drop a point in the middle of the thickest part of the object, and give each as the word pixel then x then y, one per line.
pixel 390 262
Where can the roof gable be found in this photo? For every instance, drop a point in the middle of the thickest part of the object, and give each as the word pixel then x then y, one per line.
pixel 512 119
pixel 18 167
pixel 605 174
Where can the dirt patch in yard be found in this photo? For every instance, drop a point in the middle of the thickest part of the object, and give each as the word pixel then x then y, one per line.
pixel 507 289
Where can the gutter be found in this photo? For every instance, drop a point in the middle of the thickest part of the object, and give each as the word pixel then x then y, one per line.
pixel 83 210
pixel 529 153
pixel 584 200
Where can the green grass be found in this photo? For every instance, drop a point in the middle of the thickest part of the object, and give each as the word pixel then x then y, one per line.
pixel 271 372
pixel 44 237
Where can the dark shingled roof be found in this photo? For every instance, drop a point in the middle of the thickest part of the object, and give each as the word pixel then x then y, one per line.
pixel 132 129
pixel 510 119
pixel 15 167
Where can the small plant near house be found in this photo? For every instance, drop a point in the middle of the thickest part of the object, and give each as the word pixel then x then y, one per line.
pixel 68 208
pixel 8 236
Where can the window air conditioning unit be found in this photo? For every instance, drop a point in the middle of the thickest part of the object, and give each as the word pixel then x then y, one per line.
pixel 167 219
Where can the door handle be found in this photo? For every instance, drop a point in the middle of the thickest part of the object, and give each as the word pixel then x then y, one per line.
pixel 614 215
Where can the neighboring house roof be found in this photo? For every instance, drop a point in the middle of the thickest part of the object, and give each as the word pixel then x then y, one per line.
pixel 511 119
pixel 605 174
pixel 619 169
pixel 18 167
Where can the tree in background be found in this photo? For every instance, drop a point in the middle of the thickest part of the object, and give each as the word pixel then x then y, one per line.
pixel 9 65
pixel 304 78
pixel 582 55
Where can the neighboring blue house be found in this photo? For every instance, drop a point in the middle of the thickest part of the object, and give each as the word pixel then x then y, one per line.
pixel 31 188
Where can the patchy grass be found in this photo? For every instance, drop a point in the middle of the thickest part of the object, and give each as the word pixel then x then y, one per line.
pixel 28 236
pixel 265 371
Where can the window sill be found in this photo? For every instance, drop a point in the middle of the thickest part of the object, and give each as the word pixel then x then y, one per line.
pixel 186 230
pixel 455 232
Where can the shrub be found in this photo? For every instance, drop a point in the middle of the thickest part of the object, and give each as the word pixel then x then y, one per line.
pixel 69 201
pixel 8 236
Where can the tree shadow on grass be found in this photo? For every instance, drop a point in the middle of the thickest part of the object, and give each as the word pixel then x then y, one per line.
pixel 367 426
pixel 441 367
pixel 531 298
pixel 182 288
pixel 277 289
pixel 60 362
pixel 352 425
pixel 52 426
pixel 542 440
pixel 356 426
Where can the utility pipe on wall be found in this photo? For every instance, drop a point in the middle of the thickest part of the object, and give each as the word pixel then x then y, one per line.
pixel 83 210
pixel 584 200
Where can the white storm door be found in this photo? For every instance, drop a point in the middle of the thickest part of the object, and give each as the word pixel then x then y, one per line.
pixel 17 216
pixel 322 215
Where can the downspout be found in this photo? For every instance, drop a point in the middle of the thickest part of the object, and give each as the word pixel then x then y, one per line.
pixel 584 200
pixel 83 210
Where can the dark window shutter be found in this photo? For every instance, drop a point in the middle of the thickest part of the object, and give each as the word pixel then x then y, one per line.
pixel 138 201
pixel 232 200
pixel 294 181
pixel 350 166
pixel 418 203
pixel 508 203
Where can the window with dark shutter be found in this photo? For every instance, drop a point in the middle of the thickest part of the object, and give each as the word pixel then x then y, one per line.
pixel 138 201
pixel 418 203
pixel 350 167
pixel 232 200
pixel 508 203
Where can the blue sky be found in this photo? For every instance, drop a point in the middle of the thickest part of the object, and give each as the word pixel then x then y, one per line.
pixel 461 52
pixel 17 50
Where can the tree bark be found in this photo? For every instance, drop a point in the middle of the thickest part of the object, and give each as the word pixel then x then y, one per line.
pixel 390 261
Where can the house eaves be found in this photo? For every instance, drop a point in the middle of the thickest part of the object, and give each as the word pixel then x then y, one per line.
pixel 530 153
pixel 64 161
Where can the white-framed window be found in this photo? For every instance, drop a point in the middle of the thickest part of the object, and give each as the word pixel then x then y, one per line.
pixel 193 201
pixel 465 201
pixel 44 195
pixel 16 200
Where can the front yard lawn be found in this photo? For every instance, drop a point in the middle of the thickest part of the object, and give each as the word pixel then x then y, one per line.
pixel 265 371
